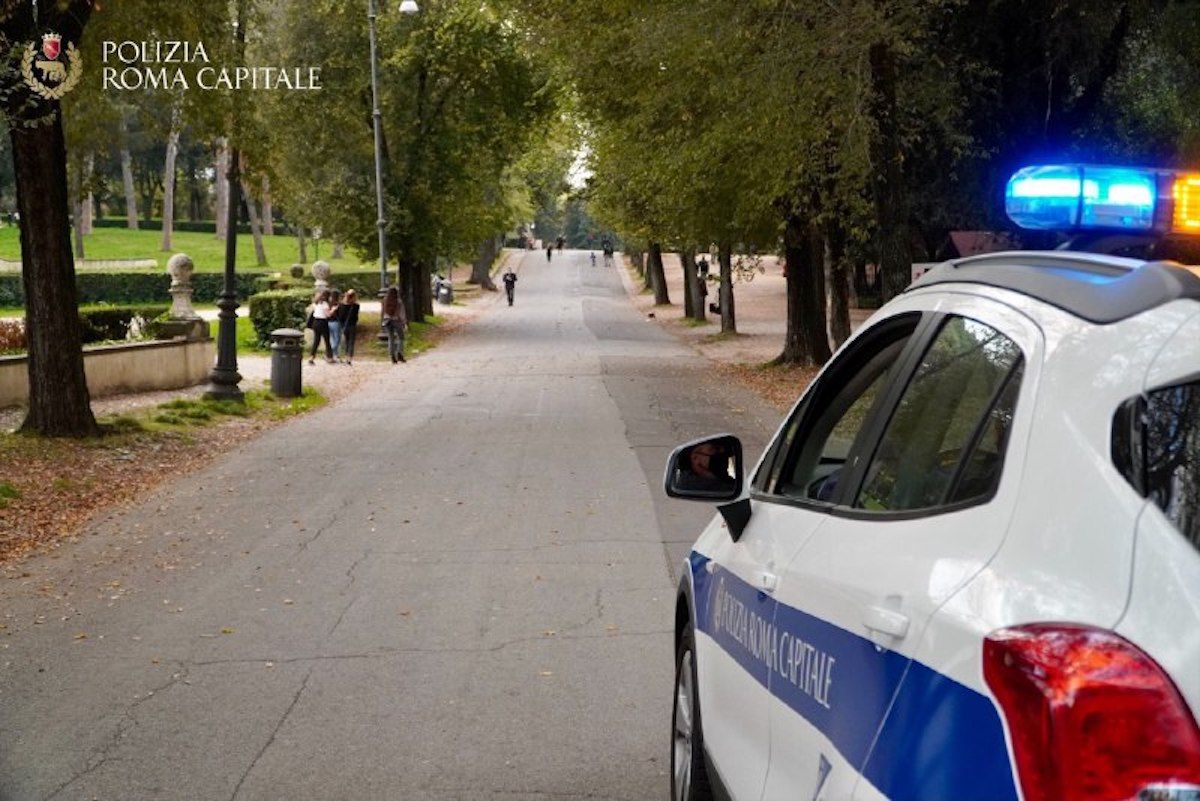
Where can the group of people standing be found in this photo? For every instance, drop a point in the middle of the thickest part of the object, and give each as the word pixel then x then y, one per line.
pixel 334 321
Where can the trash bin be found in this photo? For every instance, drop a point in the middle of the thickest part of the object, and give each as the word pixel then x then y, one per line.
pixel 445 293
pixel 287 356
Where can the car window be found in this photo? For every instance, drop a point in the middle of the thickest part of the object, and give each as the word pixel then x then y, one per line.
pixel 1162 459
pixel 945 442
pixel 818 460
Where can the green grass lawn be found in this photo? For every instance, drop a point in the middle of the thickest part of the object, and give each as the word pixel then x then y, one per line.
pixel 206 250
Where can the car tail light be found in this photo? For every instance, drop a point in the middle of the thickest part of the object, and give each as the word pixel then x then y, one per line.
pixel 1092 717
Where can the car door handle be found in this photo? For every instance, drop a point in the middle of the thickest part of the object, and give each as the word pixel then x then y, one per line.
pixel 767 582
pixel 886 621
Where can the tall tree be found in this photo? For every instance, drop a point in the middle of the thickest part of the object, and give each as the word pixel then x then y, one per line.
pixel 58 395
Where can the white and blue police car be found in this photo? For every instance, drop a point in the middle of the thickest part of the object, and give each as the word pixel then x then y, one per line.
pixel 967 568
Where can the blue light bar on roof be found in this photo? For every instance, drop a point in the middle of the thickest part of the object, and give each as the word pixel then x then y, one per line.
pixel 1075 196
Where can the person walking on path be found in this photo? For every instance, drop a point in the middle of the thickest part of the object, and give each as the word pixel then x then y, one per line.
pixel 348 317
pixel 549 252
pixel 510 285
pixel 335 321
pixel 320 327
pixel 395 322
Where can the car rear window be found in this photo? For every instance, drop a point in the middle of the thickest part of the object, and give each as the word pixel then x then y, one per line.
pixel 1156 445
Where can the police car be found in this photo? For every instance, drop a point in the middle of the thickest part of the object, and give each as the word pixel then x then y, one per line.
pixel 968 565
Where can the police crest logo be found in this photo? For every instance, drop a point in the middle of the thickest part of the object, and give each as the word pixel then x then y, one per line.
pixel 56 77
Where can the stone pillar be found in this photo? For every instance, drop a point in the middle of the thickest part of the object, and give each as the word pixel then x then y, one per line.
pixel 321 272
pixel 180 268
pixel 184 321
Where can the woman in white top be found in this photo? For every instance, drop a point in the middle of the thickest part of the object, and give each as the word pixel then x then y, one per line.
pixel 320 327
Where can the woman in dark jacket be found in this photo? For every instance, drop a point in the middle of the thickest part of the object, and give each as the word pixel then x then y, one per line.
pixel 395 321
pixel 348 316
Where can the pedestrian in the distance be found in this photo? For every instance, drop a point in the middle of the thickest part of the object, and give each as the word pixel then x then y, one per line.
pixel 549 252
pixel 335 321
pixel 348 314
pixel 510 285
pixel 319 319
pixel 395 322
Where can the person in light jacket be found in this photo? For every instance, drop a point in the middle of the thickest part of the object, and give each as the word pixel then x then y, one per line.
pixel 320 327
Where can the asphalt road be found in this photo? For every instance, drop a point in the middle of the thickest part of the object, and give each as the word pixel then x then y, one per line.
pixel 456 584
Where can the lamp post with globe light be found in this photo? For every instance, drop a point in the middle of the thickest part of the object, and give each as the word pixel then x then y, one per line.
pixel 408 7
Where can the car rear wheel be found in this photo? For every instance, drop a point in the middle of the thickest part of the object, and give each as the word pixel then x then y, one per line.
pixel 689 778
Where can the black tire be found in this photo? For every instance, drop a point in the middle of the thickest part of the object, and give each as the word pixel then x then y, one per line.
pixel 694 781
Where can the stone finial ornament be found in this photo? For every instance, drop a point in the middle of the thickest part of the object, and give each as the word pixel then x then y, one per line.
pixel 321 272
pixel 180 268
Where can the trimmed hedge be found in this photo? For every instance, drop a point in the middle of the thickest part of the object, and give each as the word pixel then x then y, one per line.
pixel 286 308
pixel 192 226
pixel 97 324
pixel 106 323
pixel 365 283
pixel 133 287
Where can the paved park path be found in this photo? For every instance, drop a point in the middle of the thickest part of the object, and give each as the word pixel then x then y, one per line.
pixel 455 584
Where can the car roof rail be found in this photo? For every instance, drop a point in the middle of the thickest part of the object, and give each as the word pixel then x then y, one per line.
pixel 1099 289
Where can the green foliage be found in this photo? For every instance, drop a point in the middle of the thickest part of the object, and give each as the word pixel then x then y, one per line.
pixel 463 100
pixel 270 311
pixel 184 413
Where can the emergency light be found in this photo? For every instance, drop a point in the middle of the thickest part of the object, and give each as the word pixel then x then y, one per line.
pixel 1076 197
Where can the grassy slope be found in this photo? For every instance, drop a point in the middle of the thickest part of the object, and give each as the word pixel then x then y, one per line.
pixel 206 250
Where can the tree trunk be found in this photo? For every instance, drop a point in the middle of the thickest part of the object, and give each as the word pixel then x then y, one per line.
pixel 481 268
pixel 222 187
pixel 268 213
pixel 638 260
pixel 806 341
pixel 168 215
pixel 890 192
pixel 409 277
pixel 424 290
pixel 58 395
pixel 131 219
pixel 89 198
pixel 837 276
pixel 657 276
pixel 77 226
pixel 695 286
pixel 260 253
pixel 303 244
pixel 687 263
pixel 725 293
pixel 75 191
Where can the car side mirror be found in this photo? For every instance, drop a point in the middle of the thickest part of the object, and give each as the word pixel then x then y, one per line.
pixel 709 469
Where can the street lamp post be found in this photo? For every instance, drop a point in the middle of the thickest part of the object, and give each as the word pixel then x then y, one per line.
pixel 406 7
pixel 224 378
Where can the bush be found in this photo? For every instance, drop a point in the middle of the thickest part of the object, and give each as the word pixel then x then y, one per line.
pixel 365 283
pixel 133 287
pixel 287 308
pixel 194 226
pixel 107 323
pixel 297 270
pixel 12 336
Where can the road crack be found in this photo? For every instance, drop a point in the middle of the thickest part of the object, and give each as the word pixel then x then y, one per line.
pixel 274 733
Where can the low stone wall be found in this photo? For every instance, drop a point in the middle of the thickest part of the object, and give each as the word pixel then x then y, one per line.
pixel 93 264
pixel 117 369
